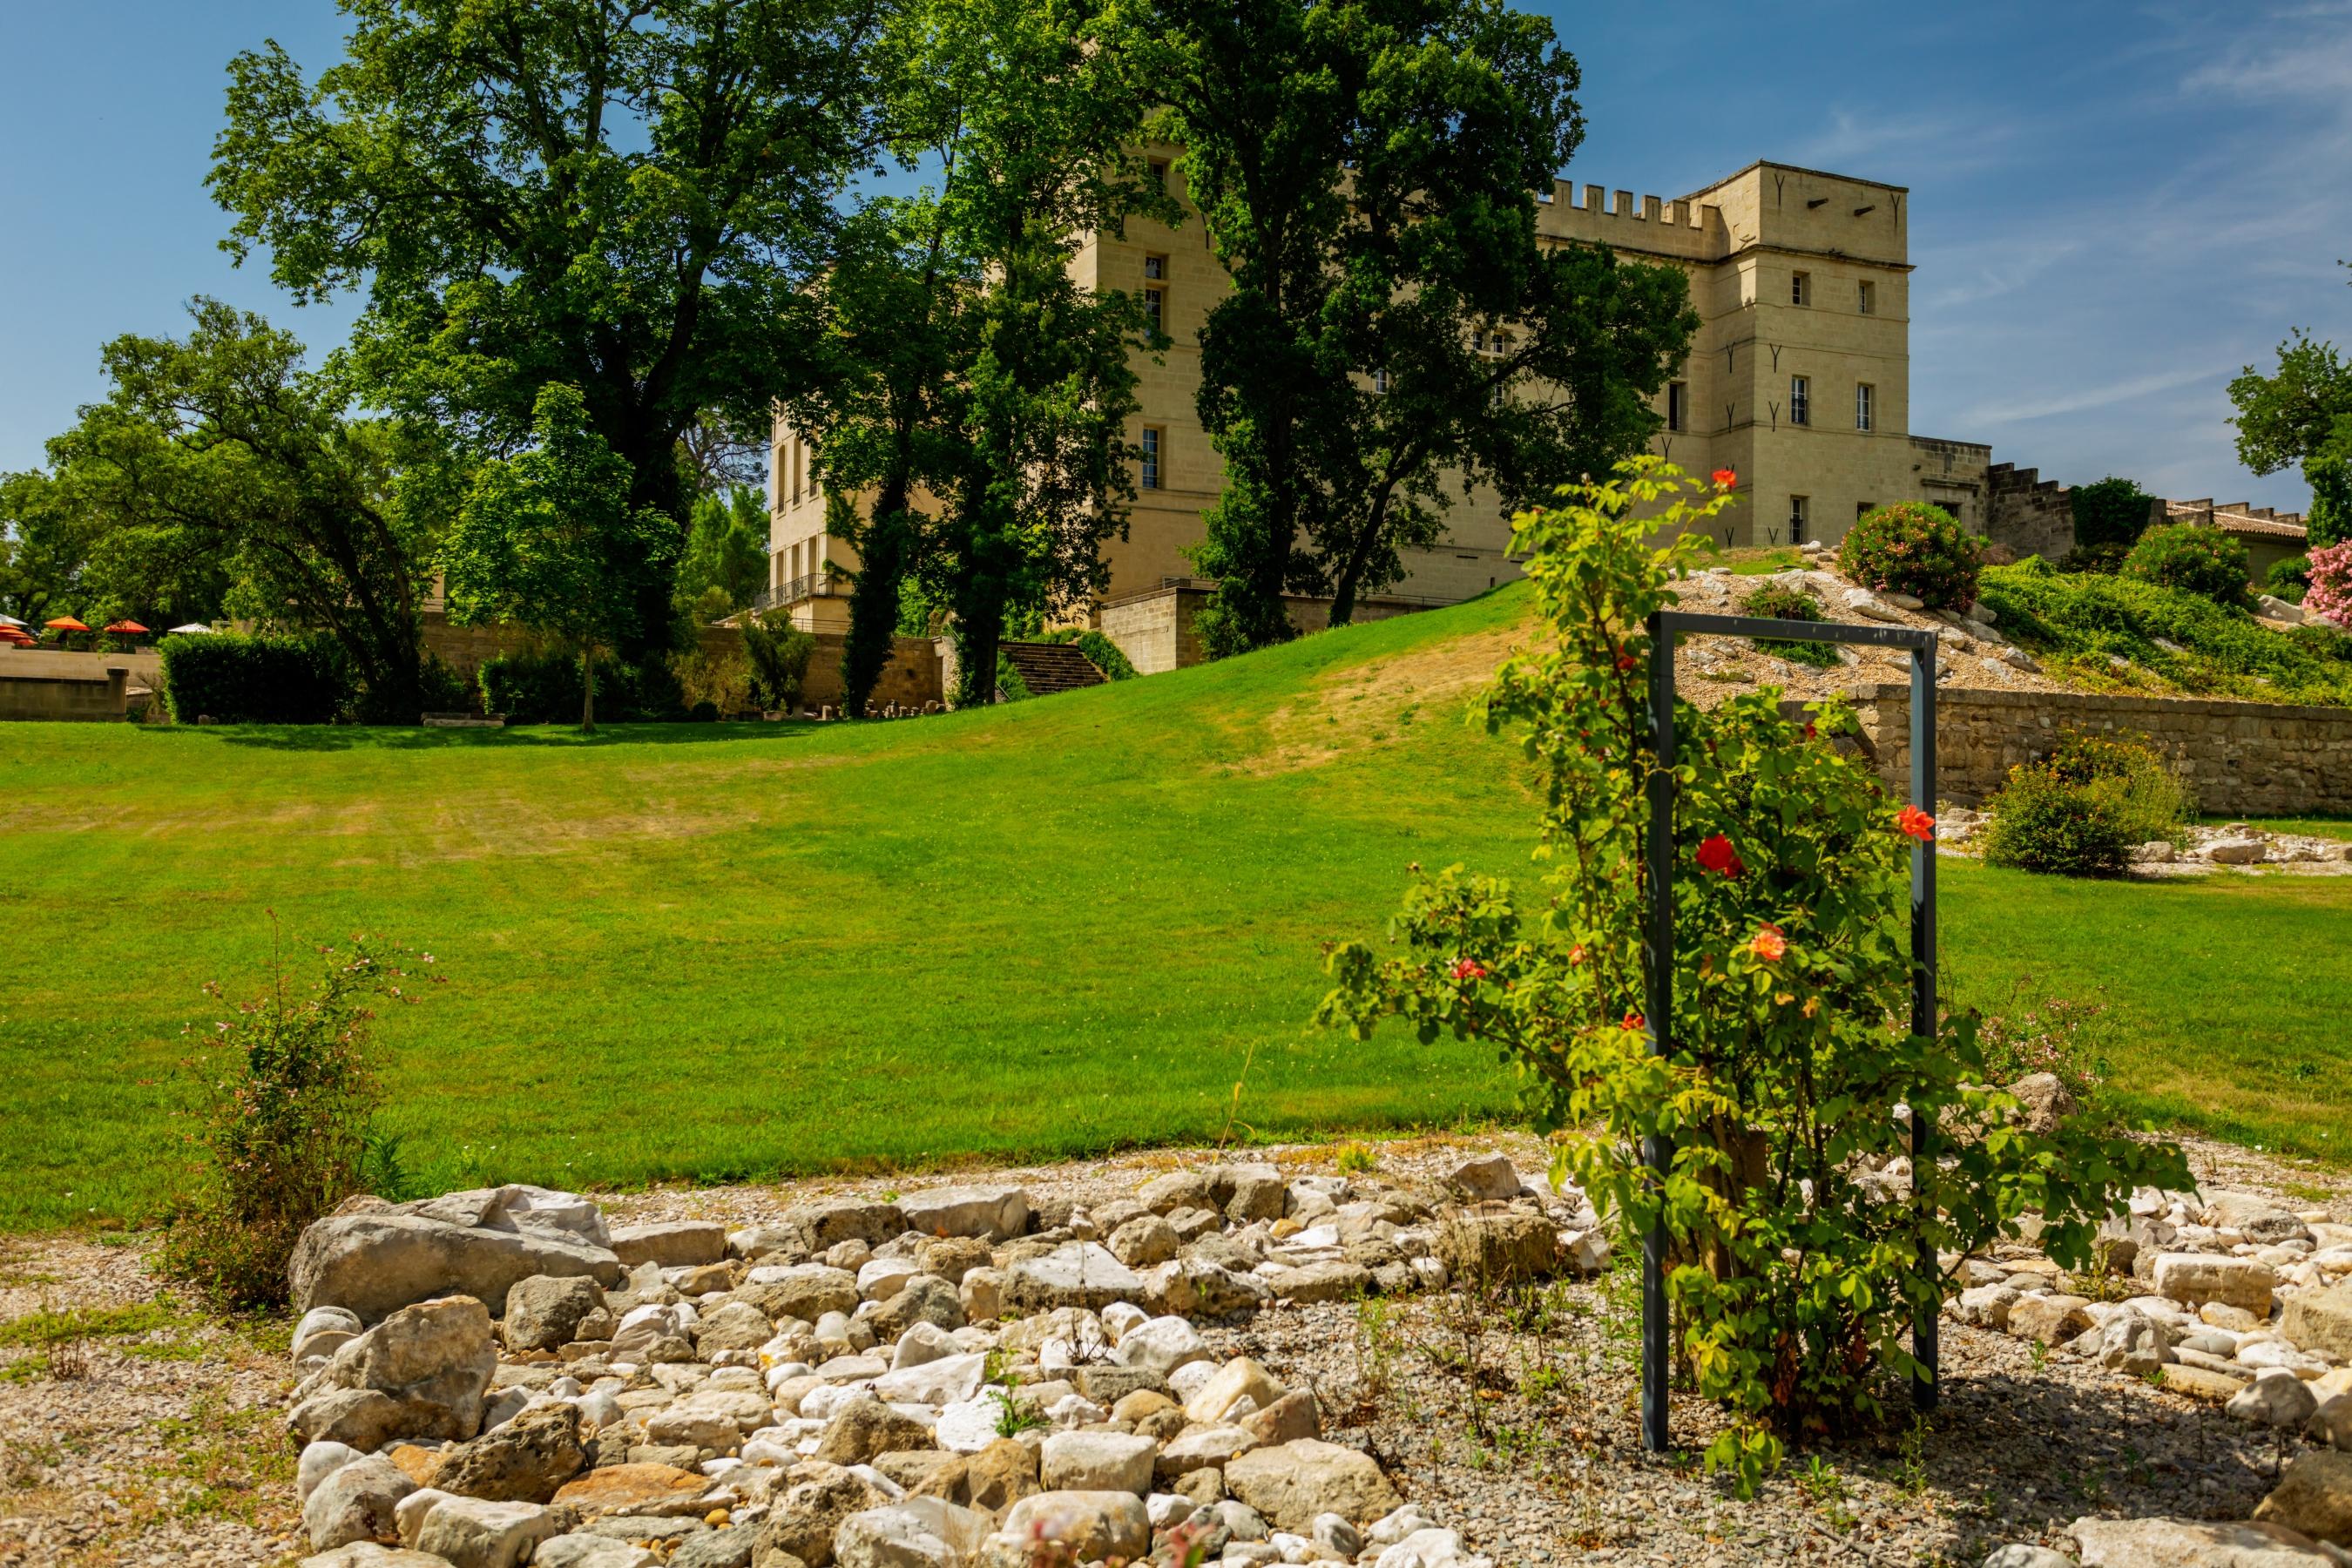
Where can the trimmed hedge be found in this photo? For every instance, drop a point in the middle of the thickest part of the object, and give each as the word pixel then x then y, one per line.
pixel 235 680
pixel 2192 558
pixel 1913 548
pixel 545 688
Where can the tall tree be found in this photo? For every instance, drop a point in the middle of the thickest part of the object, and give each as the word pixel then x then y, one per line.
pixel 2301 413
pixel 971 388
pixel 220 453
pixel 623 196
pixel 44 547
pixel 1367 171
pixel 551 539
pixel 726 549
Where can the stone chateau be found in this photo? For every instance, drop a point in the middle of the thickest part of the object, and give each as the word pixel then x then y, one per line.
pixel 1799 379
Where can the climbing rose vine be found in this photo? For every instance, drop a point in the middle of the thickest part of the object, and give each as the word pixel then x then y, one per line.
pixel 1794 1253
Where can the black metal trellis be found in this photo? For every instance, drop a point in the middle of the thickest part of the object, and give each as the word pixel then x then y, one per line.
pixel 1658 945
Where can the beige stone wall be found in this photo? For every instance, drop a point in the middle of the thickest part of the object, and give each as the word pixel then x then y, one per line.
pixel 1154 628
pixel 910 680
pixel 55 698
pixel 2239 758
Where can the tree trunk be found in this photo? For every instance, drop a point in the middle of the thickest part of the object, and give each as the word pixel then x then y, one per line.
pixel 874 599
pixel 587 691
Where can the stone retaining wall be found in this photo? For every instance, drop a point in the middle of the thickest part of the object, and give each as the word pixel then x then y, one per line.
pixel 2239 758
pixel 55 698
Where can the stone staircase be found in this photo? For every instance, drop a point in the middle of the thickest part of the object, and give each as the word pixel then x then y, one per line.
pixel 1049 667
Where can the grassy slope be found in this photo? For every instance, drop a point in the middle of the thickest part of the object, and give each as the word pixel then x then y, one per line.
pixel 720 951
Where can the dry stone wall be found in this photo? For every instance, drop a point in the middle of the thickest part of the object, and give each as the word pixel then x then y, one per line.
pixel 2240 758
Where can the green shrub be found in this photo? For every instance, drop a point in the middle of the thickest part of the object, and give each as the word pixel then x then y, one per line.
pixel 2147 798
pixel 1010 687
pixel 255 680
pixel 2193 558
pixel 280 1128
pixel 2105 559
pixel 1100 651
pixel 2111 513
pixel 2042 823
pixel 2289 579
pixel 544 689
pixel 1791 1284
pixel 1785 602
pixel 780 653
pixel 2174 641
pixel 444 689
pixel 1913 548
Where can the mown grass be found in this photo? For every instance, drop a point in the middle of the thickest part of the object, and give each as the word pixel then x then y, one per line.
pixel 720 951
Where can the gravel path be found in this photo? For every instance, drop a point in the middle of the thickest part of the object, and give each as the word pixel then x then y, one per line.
pixel 1515 1423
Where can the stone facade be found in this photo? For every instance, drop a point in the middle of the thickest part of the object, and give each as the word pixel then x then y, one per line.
pixel 2238 758
pixel 1154 628
pixel 1801 281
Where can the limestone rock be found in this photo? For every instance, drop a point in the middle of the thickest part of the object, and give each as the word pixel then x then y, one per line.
pixel 822 1225
pixel 990 1213
pixel 2275 1398
pixel 317 1462
pixel 948 1380
pixel 1314 1282
pixel 1097 1462
pixel 2321 1320
pixel 1080 1274
pixel 1178 1190
pixel 2051 1319
pixel 1198 1448
pixel 374 1264
pixel 1423 1549
pixel 804 1290
pixel 367 1554
pixel 805 1521
pixel 1287 1419
pixel 2259 1220
pixel 981 1293
pixel 920 1532
pixel 1094 1526
pixel 1237 1380
pixel 523 1461
pixel 1144 1241
pixel 731 1326
pixel 544 1312
pixel 1162 1345
pixel 866 1427
pixel 356 1503
pixel 2192 1544
pixel 2331 1422
pixel 472 1533
pixel 1292 1484
pixel 1499 1247
pixel 671 1244
pixel 2314 1496
pixel 636 1490
pixel 421 1372
pixel 2022 1556
pixel 2042 1102
pixel 923 1299
pixel 2193 1279
pixel 714 1549
pixel 582 1551
pixel 1258 1192
pixel 1001 1475
pixel 1489 1176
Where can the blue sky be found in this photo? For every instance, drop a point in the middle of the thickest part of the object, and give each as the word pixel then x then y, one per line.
pixel 2113 206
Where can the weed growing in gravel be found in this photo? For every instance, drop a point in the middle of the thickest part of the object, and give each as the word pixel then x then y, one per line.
pixel 220 1460
pixel 46 1327
pixel 1357 1160
pixel 1014 1417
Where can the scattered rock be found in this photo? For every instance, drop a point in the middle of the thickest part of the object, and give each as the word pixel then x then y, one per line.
pixel 544 1312
pixel 473 1533
pixel 672 1244
pixel 2191 1543
pixel 1097 1462
pixel 374 1264
pixel 2275 1398
pixel 993 1213
pixel 355 1503
pixel 1486 1176
pixel 2195 1278
pixel 1292 1484
pixel 1079 1274
pixel 523 1461
pixel 2314 1496
pixel 633 1490
pixel 1092 1526
pixel 2321 1320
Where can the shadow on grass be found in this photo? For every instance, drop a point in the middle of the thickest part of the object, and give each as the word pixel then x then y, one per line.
pixel 357 737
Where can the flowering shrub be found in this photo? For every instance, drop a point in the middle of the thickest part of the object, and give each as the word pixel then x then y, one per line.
pixel 281 1122
pixel 1913 548
pixel 2192 558
pixel 2330 596
pixel 1794 1283
pixel 2079 812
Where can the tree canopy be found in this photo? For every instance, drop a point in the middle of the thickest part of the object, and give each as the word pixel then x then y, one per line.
pixel 550 539
pixel 623 196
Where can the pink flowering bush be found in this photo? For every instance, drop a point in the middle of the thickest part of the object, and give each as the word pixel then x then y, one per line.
pixel 2330 596
pixel 1793 1282
pixel 1913 548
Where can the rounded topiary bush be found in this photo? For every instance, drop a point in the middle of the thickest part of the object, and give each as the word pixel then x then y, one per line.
pixel 2193 558
pixel 1913 548
pixel 2041 822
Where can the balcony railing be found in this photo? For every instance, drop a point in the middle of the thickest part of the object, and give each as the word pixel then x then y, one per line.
pixel 808 585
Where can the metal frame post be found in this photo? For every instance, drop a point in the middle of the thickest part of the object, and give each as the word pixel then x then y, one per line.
pixel 1658 951
pixel 1658 1003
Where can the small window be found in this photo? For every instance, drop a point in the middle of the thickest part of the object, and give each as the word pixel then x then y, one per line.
pixel 1798 509
pixel 1677 401
pixel 1158 167
pixel 1864 395
pixel 1155 297
pixel 1800 401
pixel 1150 477
pixel 1380 380
pixel 1866 299
pixel 1801 288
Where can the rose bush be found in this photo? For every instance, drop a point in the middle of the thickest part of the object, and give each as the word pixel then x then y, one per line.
pixel 2330 596
pixel 1913 548
pixel 1794 1270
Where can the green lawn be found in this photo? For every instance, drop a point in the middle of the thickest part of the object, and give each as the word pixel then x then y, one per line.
pixel 729 950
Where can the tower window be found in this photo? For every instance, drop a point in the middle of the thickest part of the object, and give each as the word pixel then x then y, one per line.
pixel 1864 395
pixel 1677 404
pixel 1866 299
pixel 1800 401
pixel 1158 167
pixel 1799 506
pixel 1801 288
pixel 1153 441
pixel 1155 293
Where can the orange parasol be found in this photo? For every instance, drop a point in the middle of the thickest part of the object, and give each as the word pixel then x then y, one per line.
pixel 132 627
pixel 66 624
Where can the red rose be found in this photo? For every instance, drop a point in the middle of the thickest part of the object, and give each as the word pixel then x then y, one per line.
pixel 1469 969
pixel 1725 479
pixel 1635 1021
pixel 1915 823
pixel 1770 944
pixel 1717 856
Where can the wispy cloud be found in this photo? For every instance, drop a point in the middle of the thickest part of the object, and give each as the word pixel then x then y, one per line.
pixel 2090 397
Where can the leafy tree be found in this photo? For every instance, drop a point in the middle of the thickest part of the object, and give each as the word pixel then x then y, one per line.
pixel 726 549
pixel 1366 169
pixel 2328 471
pixel 2110 512
pixel 218 459
pixel 973 387
pixel 550 539
pixel 2286 417
pixel 44 547
pixel 715 459
pixel 623 196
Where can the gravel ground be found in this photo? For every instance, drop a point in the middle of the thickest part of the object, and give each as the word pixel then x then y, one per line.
pixel 1515 1423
